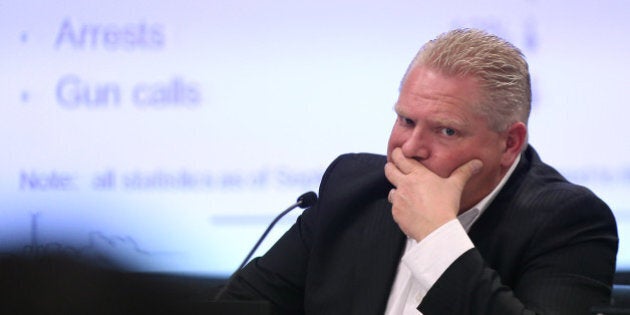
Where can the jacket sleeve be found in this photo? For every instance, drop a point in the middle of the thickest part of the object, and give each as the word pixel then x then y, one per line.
pixel 567 267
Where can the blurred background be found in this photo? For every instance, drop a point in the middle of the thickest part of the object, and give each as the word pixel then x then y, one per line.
pixel 168 134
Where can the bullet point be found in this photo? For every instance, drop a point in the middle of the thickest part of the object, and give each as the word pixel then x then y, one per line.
pixel 24 37
pixel 25 96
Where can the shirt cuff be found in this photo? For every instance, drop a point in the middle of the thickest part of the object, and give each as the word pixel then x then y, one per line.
pixel 428 259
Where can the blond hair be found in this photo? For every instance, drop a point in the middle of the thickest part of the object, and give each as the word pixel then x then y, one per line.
pixel 498 66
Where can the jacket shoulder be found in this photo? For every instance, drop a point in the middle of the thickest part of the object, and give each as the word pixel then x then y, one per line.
pixel 351 166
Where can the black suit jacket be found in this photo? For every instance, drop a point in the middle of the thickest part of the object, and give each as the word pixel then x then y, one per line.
pixel 543 246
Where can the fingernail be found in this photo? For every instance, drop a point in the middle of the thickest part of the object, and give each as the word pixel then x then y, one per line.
pixel 476 166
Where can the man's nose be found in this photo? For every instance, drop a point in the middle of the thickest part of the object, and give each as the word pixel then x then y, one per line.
pixel 417 145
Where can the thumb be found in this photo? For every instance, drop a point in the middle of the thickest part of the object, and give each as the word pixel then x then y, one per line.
pixel 463 173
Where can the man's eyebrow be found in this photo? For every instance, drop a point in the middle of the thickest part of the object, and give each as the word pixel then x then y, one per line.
pixel 398 110
pixel 448 121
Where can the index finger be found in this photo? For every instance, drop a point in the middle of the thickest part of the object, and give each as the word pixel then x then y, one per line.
pixel 393 174
pixel 403 163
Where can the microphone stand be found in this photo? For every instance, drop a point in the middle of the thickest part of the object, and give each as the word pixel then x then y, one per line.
pixel 304 201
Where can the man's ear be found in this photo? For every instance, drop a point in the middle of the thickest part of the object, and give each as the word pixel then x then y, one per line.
pixel 516 138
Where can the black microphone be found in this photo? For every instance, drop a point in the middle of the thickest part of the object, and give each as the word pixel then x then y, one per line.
pixel 304 201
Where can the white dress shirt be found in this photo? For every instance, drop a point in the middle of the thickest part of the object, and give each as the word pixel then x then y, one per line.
pixel 424 262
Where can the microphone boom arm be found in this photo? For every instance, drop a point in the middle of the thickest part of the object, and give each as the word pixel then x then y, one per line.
pixel 304 201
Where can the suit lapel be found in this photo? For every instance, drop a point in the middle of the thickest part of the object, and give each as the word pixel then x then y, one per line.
pixel 382 244
pixel 489 220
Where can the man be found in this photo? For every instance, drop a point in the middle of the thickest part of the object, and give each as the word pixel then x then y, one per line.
pixel 462 217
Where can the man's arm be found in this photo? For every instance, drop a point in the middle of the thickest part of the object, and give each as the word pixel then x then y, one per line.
pixel 567 268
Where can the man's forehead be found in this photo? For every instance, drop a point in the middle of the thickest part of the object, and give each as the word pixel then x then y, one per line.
pixel 429 84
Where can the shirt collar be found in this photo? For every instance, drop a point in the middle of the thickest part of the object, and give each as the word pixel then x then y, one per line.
pixel 469 217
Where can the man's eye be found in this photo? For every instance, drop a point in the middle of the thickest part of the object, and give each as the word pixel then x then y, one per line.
pixel 405 121
pixel 448 131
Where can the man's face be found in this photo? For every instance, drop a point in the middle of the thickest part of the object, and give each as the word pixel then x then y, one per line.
pixel 438 126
